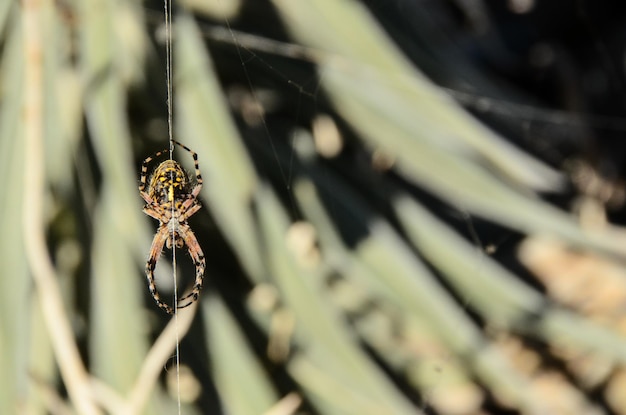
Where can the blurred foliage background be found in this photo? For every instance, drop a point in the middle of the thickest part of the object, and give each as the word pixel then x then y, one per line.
pixel 409 207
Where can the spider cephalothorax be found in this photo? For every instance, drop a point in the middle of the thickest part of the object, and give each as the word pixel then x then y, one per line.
pixel 171 200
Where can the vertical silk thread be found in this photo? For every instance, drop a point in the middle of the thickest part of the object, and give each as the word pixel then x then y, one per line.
pixel 169 80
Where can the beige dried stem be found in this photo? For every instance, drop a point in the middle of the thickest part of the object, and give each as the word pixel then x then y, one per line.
pixel 49 294
pixel 156 358
pixel 158 355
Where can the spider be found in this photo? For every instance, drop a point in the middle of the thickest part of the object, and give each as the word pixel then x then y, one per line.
pixel 171 200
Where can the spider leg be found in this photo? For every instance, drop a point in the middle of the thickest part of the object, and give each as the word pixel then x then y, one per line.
pixel 155 252
pixel 189 210
pixel 144 173
pixel 198 259
pixel 155 211
pixel 196 190
pixel 146 197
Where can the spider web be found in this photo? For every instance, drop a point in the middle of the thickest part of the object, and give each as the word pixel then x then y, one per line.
pixel 534 123
pixel 252 52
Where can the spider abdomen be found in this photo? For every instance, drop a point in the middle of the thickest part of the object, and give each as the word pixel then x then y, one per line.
pixel 169 184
